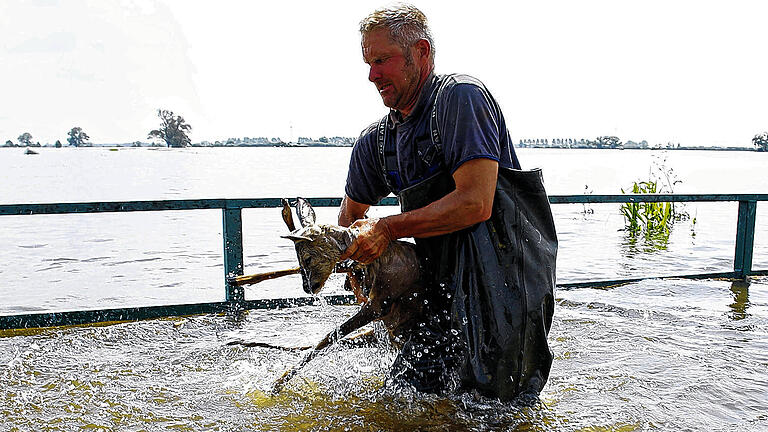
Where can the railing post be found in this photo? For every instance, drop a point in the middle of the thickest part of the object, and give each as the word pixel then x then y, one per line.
pixel 745 238
pixel 233 252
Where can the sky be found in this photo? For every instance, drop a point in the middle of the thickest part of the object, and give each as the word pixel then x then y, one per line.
pixel 689 72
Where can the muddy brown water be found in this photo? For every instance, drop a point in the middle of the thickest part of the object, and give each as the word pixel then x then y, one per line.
pixel 656 355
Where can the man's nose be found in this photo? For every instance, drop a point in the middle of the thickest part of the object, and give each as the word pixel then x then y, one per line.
pixel 373 73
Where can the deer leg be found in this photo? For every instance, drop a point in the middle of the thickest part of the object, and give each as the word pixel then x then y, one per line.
pixel 363 316
pixel 266 345
pixel 366 338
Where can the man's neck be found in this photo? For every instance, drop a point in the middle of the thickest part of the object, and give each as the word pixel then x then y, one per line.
pixel 422 80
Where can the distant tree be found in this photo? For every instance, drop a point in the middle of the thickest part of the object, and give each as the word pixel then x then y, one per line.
pixel 77 137
pixel 9 143
pixel 58 144
pixel 608 142
pixel 761 141
pixel 173 130
pixel 25 139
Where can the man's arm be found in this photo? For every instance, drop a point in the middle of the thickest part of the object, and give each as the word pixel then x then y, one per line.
pixel 351 211
pixel 468 204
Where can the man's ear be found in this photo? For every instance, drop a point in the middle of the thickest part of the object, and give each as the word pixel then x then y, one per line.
pixel 423 50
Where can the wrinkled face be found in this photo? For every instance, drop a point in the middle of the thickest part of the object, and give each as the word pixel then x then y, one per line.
pixel 317 254
pixel 392 70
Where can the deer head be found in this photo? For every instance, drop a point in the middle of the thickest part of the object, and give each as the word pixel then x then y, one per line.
pixel 318 246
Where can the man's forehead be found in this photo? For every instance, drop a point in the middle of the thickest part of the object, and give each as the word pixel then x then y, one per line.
pixel 378 40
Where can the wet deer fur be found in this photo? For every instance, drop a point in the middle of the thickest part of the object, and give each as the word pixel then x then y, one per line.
pixel 389 287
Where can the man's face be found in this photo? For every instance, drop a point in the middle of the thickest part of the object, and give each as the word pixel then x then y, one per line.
pixel 396 76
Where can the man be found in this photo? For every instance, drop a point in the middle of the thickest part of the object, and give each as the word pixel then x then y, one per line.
pixel 487 255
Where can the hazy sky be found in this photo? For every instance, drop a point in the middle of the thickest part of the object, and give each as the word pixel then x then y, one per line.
pixel 692 72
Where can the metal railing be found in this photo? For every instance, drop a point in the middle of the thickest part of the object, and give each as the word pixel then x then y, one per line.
pixel 233 251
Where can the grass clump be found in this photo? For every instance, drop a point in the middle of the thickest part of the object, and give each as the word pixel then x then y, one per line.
pixel 653 219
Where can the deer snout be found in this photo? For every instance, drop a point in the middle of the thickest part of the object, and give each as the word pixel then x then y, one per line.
pixel 309 283
pixel 312 288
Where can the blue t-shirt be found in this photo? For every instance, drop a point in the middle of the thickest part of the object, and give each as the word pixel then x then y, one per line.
pixel 470 124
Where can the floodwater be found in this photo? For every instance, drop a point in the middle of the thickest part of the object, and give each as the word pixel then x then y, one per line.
pixel 655 355
pixel 115 260
pixel 667 354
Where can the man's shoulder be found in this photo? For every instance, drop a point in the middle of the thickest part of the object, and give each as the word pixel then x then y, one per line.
pixel 368 134
pixel 460 86
pixel 454 79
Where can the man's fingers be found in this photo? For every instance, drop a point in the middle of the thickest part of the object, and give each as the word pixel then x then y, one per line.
pixel 359 253
pixel 369 243
pixel 350 250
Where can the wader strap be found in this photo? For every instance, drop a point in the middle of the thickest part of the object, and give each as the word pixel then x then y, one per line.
pixel 437 145
pixel 388 156
pixel 436 148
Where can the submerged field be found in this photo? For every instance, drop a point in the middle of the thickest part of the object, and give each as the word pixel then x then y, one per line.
pixel 655 355
pixel 667 354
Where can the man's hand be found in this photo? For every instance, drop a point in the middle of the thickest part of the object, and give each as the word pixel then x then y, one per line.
pixel 373 238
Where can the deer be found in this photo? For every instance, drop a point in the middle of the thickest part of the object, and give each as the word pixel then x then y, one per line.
pixel 388 288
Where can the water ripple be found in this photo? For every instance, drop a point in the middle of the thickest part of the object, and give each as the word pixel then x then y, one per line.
pixel 680 362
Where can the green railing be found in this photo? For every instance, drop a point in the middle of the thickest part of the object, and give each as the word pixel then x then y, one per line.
pixel 233 251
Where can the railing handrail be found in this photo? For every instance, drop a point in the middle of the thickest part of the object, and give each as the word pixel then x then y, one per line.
pixel 233 248
pixel 631 198
pixel 242 203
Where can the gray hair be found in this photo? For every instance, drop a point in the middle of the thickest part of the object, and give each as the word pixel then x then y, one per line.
pixel 406 24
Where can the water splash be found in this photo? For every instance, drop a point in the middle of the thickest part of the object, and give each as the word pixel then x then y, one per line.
pixel 700 343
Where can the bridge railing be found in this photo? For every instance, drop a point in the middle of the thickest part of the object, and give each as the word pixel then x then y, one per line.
pixel 232 239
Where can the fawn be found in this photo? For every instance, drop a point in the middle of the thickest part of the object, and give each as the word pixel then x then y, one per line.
pixel 388 288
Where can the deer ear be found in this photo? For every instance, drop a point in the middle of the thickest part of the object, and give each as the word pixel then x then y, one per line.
pixel 287 216
pixel 305 211
pixel 296 238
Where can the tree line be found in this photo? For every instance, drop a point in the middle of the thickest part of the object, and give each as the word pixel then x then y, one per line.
pixel 76 137
pixel 173 131
pixel 760 142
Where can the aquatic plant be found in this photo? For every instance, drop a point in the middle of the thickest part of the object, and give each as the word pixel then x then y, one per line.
pixel 654 219
pixel 651 217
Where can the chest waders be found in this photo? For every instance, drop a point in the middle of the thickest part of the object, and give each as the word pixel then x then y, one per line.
pixel 491 285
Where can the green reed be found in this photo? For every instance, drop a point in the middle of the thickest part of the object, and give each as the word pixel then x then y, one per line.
pixel 654 219
pixel 650 217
